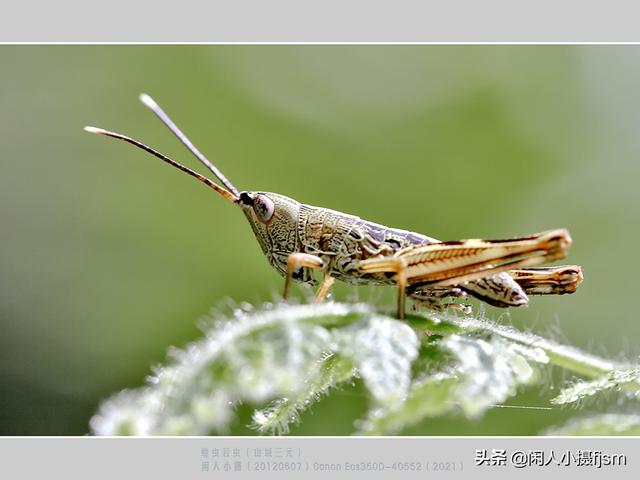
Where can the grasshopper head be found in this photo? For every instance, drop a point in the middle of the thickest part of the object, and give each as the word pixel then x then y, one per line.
pixel 273 218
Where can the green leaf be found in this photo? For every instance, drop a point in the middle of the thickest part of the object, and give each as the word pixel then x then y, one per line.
pixel 283 358
pixel 383 350
pixel 491 370
pixel 277 418
pixel 251 357
pixel 606 424
pixel 615 380
pixel 429 397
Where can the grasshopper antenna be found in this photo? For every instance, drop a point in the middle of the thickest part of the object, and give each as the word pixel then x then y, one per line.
pixel 225 193
pixel 155 108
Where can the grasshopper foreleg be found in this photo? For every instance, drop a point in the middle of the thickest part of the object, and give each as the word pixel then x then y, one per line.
pixel 297 260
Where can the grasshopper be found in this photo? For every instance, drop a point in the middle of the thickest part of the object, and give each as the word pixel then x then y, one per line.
pixel 298 238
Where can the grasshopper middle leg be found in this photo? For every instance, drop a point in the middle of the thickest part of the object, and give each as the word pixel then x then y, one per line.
pixel 325 286
pixel 433 298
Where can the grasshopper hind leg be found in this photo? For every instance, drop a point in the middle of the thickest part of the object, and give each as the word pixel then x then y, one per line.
pixel 499 290
pixel 559 280
pixel 504 290
pixel 477 266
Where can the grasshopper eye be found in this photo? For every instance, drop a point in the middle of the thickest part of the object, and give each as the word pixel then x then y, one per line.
pixel 263 207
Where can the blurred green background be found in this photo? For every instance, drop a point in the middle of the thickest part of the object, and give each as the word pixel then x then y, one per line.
pixel 108 257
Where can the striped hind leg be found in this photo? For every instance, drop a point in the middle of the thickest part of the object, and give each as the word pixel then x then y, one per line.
pixel 558 280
